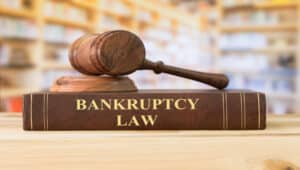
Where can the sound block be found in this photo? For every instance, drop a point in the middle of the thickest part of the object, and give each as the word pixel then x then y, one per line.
pixel 93 84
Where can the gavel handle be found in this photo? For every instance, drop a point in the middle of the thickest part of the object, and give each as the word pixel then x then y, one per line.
pixel 219 81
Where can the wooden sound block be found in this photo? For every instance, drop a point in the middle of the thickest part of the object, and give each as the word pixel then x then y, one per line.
pixel 93 84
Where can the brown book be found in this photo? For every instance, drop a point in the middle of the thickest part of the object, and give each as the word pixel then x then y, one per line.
pixel 145 110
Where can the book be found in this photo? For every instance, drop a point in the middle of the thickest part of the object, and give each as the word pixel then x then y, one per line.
pixel 145 110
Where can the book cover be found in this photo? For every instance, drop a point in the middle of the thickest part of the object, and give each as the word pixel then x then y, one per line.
pixel 145 110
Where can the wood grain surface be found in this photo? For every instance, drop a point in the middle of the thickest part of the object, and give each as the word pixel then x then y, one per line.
pixel 277 148
pixel 92 84
pixel 116 52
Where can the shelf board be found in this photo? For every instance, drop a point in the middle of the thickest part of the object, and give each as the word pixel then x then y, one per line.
pixel 83 4
pixel 260 28
pixel 69 23
pixel 17 39
pixel 114 13
pixel 56 66
pixel 238 7
pixel 57 43
pixel 275 5
pixel 145 22
pixel 9 67
pixel 264 5
pixel 170 12
pixel 103 28
pixel 261 50
pixel 22 13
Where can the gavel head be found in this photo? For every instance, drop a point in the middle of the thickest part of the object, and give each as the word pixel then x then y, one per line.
pixel 113 53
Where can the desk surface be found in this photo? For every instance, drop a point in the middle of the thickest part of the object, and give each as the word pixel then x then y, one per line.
pixel 277 147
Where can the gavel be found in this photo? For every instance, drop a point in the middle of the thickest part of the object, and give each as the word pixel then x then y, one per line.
pixel 121 52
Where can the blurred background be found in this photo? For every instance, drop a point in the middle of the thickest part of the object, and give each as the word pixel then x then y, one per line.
pixel 255 42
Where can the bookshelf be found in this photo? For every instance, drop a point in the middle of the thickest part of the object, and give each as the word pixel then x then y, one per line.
pixel 264 5
pixel 270 64
pixel 264 41
pixel 43 57
pixel 67 23
pixel 263 28
pixel 23 13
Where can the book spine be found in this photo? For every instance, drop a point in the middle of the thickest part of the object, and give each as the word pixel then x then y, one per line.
pixel 145 111
pixel 35 112
pixel 26 112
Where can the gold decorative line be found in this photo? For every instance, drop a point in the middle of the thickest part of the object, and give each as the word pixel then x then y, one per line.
pixel 31 123
pixel 223 116
pixel 258 110
pixel 47 117
pixel 226 112
pixel 241 101
pixel 245 111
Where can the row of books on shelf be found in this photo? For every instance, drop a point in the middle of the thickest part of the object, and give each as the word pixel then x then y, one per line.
pixel 182 35
pixel 255 62
pixel 230 3
pixel 20 56
pixel 60 9
pixel 275 84
pixel 261 17
pixel 26 29
pixel 144 16
pixel 178 48
pixel 60 34
pixel 15 56
pixel 57 55
pixel 19 79
pixel 17 28
pixel 252 40
pixel 119 7
pixel 111 11
pixel 111 22
pixel 13 4
pixel 243 63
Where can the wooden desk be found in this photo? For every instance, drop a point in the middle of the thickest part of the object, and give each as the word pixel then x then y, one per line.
pixel 278 147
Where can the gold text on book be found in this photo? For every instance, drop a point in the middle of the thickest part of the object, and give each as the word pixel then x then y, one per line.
pixel 137 104
pixel 137 120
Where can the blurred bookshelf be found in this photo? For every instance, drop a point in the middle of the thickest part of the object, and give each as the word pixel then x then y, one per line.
pixel 35 36
pixel 254 41
pixel 258 48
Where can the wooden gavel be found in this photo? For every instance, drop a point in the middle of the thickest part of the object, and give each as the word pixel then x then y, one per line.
pixel 121 52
